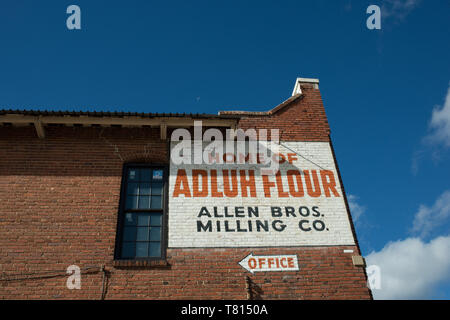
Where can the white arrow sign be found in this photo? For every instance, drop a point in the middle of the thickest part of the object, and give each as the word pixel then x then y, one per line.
pixel 254 264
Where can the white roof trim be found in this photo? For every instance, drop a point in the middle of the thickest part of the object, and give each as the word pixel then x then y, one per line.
pixel 298 81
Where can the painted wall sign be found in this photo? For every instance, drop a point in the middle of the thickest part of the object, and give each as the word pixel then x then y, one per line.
pixel 234 205
pixel 254 264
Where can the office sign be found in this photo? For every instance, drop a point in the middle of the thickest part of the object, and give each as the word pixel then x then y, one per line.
pixel 271 263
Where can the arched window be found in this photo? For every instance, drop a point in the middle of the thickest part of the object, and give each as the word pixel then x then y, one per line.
pixel 142 212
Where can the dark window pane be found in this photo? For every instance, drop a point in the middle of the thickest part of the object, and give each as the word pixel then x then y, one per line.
pixel 145 175
pixel 130 219
pixel 128 250
pixel 144 189
pixel 155 219
pixel 133 174
pixel 157 189
pixel 129 234
pixel 143 219
pixel 144 202
pixel 155 249
pixel 156 202
pixel 142 233
pixel 141 249
pixel 133 188
pixel 132 202
pixel 155 234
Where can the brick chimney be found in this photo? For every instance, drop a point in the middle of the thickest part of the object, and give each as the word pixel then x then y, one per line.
pixel 304 82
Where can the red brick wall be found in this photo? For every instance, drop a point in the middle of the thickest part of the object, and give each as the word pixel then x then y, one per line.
pixel 59 200
pixel 302 120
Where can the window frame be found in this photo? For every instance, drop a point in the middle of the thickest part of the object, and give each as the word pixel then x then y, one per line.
pixel 122 210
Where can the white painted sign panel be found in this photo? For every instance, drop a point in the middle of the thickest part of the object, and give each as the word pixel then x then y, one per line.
pixel 254 264
pixel 235 205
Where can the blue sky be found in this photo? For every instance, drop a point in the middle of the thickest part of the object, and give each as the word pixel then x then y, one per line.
pixel 379 87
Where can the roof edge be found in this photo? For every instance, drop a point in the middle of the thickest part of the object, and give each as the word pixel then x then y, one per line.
pixel 105 114
pixel 262 113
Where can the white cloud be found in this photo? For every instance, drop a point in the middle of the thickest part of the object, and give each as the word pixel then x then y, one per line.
pixel 440 123
pixel 398 9
pixel 355 208
pixel 417 156
pixel 428 218
pixel 411 268
pixel 439 135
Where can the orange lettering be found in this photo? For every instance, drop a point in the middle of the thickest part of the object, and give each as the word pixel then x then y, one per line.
pixel 328 185
pixel 233 191
pixel 262 261
pixel 214 192
pixel 248 183
pixel 267 185
pixel 291 157
pixel 196 192
pixel 252 263
pixel 290 262
pixel 316 192
pixel 298 179
pixel 281 192
pixel 181 184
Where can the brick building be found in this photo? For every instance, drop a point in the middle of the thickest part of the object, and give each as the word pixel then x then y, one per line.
pixel 100 191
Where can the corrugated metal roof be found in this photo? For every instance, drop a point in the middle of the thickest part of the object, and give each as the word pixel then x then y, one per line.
pixel 238 113
pixel 114 114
